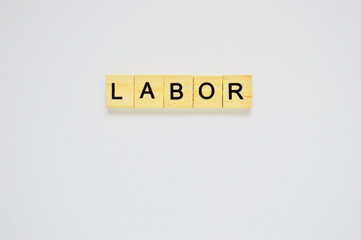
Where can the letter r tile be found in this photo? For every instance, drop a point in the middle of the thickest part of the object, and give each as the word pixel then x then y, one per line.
pixel 237 91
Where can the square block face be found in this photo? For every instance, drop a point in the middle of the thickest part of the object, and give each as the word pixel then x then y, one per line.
pixel 178 91
pixel 119 91
pixel 237 91
pixel 207 91
pixel 148 91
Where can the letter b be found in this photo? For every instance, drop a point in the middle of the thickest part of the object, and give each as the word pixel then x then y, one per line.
pixel 179 90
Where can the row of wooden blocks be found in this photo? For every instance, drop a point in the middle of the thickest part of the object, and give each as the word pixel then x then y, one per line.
pixel 178 91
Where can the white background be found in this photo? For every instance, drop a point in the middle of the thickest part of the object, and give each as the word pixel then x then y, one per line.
pixel 287 169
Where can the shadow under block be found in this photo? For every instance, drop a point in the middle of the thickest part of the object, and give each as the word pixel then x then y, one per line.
pixel 207 92
pixel 237 91
pixel 178 91
pixel 119 91
pixel 148 91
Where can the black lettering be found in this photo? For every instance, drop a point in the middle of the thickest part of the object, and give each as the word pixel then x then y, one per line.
pixel 144 91
pixel 179 90
pixel 200 90
pixel 236 91
pixel 113 92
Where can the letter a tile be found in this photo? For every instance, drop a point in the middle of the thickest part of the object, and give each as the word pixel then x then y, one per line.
pixel 148 91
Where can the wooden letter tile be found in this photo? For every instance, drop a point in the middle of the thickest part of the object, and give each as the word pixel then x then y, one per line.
pixel 237 91
pixel 119 91
pixel 207 91
pixel 178 91
pixel 148 91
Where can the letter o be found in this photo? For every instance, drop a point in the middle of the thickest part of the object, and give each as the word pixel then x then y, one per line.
pixel 201 93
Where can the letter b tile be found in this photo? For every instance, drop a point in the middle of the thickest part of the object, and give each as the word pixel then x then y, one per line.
pixel 178 91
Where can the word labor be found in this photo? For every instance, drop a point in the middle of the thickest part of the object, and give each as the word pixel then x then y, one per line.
pixel 178 91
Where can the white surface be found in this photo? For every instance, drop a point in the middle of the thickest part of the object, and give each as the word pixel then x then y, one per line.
pixel 287 169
